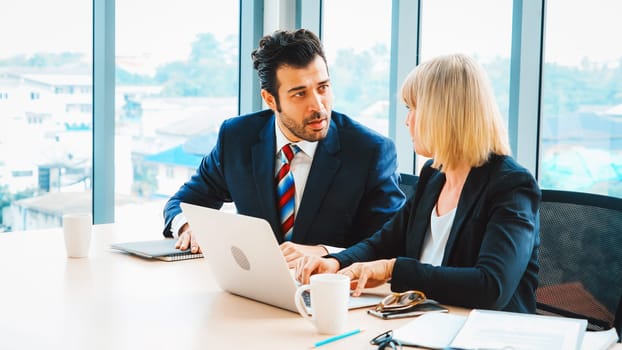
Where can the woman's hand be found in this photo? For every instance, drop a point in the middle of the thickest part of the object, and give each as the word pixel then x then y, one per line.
pixel 293 252
pixel 368 274
pixel 311 265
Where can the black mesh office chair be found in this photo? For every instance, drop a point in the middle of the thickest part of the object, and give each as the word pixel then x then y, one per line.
pixel 581 257
pixel 408 183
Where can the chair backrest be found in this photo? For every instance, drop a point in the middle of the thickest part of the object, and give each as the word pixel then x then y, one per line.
pixel 618 320
pixel 408 183
pixel 581 257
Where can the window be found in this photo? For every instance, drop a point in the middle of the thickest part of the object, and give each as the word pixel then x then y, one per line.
pixel 479 28
pixel 47 46
pixel 358 55
pixel 176 81
pixel 22 173
pixel 581 119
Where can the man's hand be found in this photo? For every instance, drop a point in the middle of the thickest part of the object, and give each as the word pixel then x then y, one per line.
pixel 368 274
pixel 311 265
pixel 292 252
pixel 187 240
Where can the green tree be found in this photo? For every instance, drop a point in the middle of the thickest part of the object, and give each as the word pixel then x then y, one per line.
pixel 123 77
pixel 210 70
pixel 360 78
pixel 42 60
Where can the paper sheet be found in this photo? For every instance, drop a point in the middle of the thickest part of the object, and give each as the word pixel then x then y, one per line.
pixel 601 340
pixel 506 330
pixel 432 330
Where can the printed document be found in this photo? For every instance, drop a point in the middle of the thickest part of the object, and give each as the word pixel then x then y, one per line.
pixel 485 329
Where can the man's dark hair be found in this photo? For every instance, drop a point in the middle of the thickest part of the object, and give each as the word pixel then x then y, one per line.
pixel 292 48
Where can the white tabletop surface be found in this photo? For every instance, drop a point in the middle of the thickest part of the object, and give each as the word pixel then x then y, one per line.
pixel 111 300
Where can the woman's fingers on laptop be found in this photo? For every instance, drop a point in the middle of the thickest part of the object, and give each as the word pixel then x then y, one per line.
pixel 293 252
pixel 305 267
pixel 368 274
pixel 299 274
pixel 357 276
pixel 310 265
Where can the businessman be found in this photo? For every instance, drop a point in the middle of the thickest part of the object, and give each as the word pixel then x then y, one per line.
pixel 322 180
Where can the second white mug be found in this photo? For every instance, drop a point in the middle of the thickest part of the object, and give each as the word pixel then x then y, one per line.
pixel 330 294
pixel 77 232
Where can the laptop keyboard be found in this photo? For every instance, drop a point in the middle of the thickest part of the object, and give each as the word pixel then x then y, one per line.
pixel 306 297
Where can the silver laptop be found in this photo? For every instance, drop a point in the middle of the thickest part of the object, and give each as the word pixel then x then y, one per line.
pixel 245 257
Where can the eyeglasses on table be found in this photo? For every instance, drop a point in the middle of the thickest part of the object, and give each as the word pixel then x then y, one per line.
pixel 401 301
pixel 386 341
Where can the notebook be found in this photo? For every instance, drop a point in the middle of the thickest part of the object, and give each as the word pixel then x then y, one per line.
pixel 162 249
pixel 488 329
pixel 246 260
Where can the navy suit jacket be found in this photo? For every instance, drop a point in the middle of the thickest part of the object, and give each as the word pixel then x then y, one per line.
pixel 350 193
pixel 491 256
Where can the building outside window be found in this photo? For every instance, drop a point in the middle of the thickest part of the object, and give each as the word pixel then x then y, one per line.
pixel 176 81
pixel 45 161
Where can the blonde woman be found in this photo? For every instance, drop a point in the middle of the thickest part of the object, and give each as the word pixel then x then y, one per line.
pixel 469 235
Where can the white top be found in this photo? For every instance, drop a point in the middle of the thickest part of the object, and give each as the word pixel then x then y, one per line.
pixel 436 238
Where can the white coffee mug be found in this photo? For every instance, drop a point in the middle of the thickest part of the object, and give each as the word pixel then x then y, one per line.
pixel 77 231
pixel 330 293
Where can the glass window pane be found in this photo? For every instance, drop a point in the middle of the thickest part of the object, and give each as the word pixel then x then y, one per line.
pixel 176 81
pixel 581 119
pixel 479 28
pixel 45 112
pixel 358 55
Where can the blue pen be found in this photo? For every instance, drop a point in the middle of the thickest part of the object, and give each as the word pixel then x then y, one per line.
pixel 337 337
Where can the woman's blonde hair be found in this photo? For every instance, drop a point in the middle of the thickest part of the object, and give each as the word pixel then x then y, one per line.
pixel 457 118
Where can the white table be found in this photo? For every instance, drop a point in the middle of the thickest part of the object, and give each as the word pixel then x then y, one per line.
pixel 115 301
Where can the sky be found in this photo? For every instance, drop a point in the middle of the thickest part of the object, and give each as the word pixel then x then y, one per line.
pixel 159 32
pixel 144 27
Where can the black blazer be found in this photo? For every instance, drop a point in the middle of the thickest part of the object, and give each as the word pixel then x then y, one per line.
pixel 350 193
pixel 491 256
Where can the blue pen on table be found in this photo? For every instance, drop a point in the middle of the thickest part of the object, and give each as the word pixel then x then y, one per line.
pixel 337 337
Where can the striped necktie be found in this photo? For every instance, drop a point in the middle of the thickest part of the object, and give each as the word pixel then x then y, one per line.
pixel 286 191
